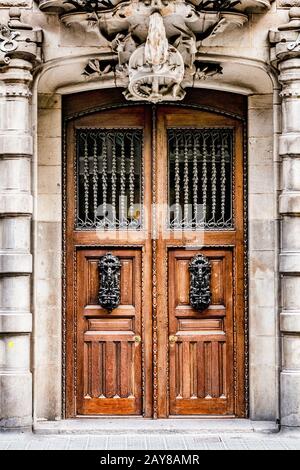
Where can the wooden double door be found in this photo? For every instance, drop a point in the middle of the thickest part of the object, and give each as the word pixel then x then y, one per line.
pixel 154 263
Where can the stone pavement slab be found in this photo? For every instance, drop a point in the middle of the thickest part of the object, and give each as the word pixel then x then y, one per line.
pixel 139 426
pixel 167 441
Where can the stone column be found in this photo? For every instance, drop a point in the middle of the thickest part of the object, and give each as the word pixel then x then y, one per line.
pixel 18 46
pixel 286 56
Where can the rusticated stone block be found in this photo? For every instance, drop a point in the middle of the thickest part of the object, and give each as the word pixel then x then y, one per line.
pixel 291 352
pixel 16 399
pixel 290 286
pixel 289 262
pixel 12 322
pixel 290 398
pixel 14 353
pixel 290 321
pixel 18 204
pixel 15 263
pixel 15 294
pixel 289 203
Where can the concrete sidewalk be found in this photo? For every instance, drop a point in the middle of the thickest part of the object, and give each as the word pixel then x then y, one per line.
pixel 151 441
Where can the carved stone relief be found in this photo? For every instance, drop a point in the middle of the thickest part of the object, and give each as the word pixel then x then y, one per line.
pixel 154 42
pixel 8 43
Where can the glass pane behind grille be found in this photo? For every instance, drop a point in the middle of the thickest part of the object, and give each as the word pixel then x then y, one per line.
pixel 200 178
pixel 109 179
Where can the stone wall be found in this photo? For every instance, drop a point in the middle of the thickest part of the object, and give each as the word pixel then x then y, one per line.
pixel 263 308
pixel 48 274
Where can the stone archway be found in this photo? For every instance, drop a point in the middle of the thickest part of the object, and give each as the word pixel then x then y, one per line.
pixel 259 108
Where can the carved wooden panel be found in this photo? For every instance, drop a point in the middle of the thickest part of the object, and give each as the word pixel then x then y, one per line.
pixel 200 343
pixel 194 372
pixel 109 343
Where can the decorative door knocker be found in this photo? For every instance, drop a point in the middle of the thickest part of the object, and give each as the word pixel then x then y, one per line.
pixel 110 292
pixel 200 271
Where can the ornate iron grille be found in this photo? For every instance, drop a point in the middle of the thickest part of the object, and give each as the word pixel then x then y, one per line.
pixel 109 179
pixel 200 178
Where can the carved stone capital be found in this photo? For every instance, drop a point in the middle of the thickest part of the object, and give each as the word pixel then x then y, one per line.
pixel 289 78
pixel 16 90
pixel 18 40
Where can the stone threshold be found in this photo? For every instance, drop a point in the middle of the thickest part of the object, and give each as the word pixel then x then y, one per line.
pixel 103 426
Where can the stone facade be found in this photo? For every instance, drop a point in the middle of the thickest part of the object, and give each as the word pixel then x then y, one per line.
pixel 44 51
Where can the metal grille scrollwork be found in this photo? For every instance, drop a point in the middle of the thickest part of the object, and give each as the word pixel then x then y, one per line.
pixel 200 272
pixel 200 178
pixel 109 179
pixel 110 290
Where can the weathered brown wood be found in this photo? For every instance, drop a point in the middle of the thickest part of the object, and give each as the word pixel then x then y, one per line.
pixel 217 100
pixel 108 371
pixel 201 364
pixel 221 382
pixel 111 360
pixel 104 356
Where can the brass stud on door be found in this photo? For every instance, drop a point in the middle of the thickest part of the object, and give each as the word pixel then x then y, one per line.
pixel 137 339
pixel 173 339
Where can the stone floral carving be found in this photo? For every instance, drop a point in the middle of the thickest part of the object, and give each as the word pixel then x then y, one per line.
pixel 204 70
pixel 200 272
pixel 110 291
pixel 96 67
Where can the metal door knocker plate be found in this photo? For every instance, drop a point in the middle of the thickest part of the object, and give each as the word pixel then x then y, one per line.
pixel 110 291
pixel 200 272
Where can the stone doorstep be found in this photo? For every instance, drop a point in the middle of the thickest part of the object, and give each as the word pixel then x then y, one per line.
pixel 148 426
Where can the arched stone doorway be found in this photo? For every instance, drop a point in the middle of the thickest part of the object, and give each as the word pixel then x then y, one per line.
pixel 260 400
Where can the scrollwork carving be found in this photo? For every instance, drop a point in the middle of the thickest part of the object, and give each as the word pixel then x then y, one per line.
pixel 110 291
pixel 18 39
pixel 200 273
pixel 8 43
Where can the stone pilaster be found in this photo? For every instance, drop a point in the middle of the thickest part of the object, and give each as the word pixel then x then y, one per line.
pixel 286 56
pixel 18 44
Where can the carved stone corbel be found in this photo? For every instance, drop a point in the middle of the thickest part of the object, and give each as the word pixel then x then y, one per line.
pixel 155 42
